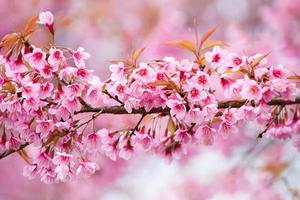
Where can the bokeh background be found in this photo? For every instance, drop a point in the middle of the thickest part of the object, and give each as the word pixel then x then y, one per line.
pixel 239 168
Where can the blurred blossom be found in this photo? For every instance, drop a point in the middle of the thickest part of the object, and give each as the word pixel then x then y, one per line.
pixel 108 30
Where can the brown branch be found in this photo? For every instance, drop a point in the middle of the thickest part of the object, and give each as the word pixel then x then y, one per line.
pixel 165 111
pixel 10 151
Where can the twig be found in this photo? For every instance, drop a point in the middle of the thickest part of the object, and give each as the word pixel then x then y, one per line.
pixel 10 151
pixel 221 105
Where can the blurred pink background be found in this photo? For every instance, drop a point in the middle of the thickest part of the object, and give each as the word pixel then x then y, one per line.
pixel 111 29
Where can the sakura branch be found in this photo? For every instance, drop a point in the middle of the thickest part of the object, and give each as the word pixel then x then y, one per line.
pixel 49 99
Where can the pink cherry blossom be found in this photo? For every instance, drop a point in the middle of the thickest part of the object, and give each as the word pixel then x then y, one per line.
pixel 56 57
pixel 44 127
pixel 278 72
pixel 216 57
pixel 80 56
pixel 93 141
pixel 144 73
pixel 118 71
pixel 30 171
pixel 36 58
pixel 62 158
pixel 177 108
pixel 251 90
pixel 46 18
pixel 206 134
pixel 86 169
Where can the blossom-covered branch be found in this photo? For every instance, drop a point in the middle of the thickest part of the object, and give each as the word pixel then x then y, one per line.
pixel 50 99
pixel 221 104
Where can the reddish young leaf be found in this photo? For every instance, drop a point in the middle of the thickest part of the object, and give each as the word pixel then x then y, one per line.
pixel 207 35
pixel 257 60
pixel 213 43
pixel 185 44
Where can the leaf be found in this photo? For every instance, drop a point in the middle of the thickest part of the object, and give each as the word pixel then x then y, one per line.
pixel 216 119
pixel 160 83
pixel 137 53
pixel 171 126
pixel 30 26
pixel 275 168
pixel 9 87
pixel 8 40
pixel 54 138
pixel 24 155
pixel 295 77
pixel 146 119
pixel 172 84
pixel 257 60
pixel 201 60
pixel 207 35
pixel 213 43
pixel 185 44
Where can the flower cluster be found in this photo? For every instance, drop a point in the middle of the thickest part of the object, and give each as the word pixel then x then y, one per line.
pixel 45 91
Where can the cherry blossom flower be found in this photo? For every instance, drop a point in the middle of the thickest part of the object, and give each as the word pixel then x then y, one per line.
pixel 93 141
pixel 62 158
pixel 44 127
pixel 86 169
pixel 205 134
pixel 45 90
pixel 251 90
pixel 118 71
pixel 144 73
pixel 46 18
pixel 30 171
pixel 56 57
pixel 177 108
pixel 215 58
pixel 36 58
pixel 63 173
pixel 80 56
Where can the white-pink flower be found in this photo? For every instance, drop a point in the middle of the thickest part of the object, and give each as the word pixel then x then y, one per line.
pixel 144 73
pixel 74 90
pixel 30 171
pixel 118 71
pixel 251 90
pixel 46 18
pixel 185 65
pixel 202 79
pixel 37 58
pixel 216 57
pixel 56 57
pixel 278 72
pixel 93 141
pixel 195 92
pixel 80 56
pixel 44 127
pixel 205 134
pixel 177 107
pixel 194 115
pixel 63 173
pixel 86 169
pixel 62 158
pixel 30 90
pixel 45 90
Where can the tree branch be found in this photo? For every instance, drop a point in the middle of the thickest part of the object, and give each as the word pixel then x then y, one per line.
pixel 121 110
pixel 166 110
pixel 10 151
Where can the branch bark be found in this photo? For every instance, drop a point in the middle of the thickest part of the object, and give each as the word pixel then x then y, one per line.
pixel 10 151
pixel 166 110
pixel 121 110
